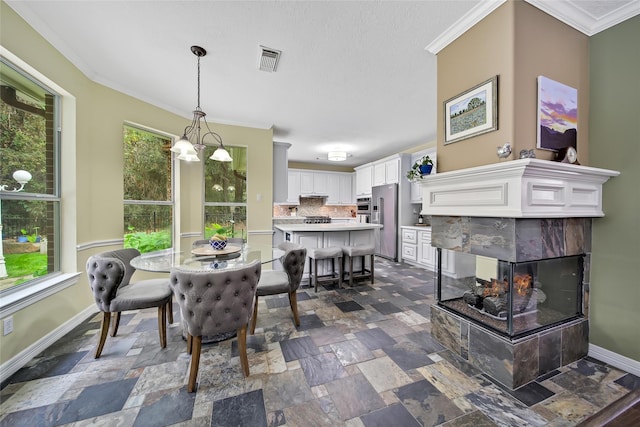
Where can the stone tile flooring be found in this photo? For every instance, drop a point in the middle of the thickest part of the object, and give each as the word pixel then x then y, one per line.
pixel 362 356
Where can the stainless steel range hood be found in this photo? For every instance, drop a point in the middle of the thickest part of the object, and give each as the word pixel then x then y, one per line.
pixel 314 196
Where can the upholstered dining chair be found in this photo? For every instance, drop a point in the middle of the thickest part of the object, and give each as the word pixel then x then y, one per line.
pixel 286 281
pixel 109 275
pixel 214 302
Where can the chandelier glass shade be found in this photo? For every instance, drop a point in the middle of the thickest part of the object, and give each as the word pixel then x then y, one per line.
pixel 193 138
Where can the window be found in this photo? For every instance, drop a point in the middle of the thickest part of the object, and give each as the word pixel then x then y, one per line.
pixel 29 141
pixel 148 204
pixel 225 193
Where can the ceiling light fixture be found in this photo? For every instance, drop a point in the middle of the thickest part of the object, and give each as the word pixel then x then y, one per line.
pixel 337 156
pixel 191 142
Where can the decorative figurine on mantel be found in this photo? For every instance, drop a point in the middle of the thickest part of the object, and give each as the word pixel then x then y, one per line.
pixel 504 151
pixel 527 154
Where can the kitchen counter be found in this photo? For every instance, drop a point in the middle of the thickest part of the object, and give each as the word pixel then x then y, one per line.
pixel 326 227
pixel 417 227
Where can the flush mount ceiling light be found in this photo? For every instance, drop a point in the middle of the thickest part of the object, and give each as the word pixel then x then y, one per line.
pixel 337 156
pixel 192 141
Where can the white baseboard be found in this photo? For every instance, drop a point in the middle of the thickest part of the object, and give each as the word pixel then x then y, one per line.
pixel 11 366
pixel 614 359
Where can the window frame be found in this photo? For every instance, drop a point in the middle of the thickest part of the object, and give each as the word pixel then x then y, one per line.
pixel 66 274
pixel 173 202
pixel 206 204
pixel 52 197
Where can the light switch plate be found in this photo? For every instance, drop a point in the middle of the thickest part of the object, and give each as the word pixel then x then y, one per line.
pixel 7 325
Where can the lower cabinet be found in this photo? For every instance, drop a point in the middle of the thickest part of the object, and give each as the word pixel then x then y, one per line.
pixel 417 250
pixel 416 247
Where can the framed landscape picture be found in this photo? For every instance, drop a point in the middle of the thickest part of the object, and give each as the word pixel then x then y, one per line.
pixel 557 115
pixel 472 113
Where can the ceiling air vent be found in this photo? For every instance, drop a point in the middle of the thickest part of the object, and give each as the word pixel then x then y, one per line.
pixel 268 60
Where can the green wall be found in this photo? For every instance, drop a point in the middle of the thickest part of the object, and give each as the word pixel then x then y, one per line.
pixel 615 144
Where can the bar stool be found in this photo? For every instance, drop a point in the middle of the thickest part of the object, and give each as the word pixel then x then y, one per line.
pixel 359 251
pixel 318 254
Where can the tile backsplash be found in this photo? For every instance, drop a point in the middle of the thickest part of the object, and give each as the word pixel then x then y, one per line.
pixel 314 207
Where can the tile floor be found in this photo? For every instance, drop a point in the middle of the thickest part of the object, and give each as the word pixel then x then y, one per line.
pixel 362 357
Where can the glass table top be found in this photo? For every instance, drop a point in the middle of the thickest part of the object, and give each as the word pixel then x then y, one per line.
pixel 203 258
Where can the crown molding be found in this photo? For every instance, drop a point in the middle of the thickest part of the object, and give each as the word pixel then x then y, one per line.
pixel 471 18
pixel 571 14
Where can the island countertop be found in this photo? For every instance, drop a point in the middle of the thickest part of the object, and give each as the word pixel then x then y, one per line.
pixel 326 227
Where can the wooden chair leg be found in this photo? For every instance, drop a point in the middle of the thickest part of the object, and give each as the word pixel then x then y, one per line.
pixel 293 302
pixel 162 325
pixel 242 349
pixel 170 311
pixel 195 362
pixel 340 275
pixel 254 317
pixel 104 331
pixel 189 344
pixel 116 324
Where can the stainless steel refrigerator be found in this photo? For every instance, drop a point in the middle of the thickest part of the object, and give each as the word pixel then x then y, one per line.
pixel 384 210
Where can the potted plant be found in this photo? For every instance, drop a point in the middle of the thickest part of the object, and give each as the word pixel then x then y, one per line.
pixel 422 166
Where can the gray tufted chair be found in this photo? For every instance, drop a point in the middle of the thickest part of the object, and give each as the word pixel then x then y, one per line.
pixel 275 282
pixel 213 302
pixel 109 275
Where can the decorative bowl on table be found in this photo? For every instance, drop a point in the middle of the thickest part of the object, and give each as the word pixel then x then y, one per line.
pixel 218 245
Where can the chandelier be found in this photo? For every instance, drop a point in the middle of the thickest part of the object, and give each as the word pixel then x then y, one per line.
pixel 192 140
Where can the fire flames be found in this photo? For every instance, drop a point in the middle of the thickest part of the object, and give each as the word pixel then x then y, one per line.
pixel 521 284
pixel 496 288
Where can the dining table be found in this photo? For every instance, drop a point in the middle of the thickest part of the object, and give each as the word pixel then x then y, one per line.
pixel 205 258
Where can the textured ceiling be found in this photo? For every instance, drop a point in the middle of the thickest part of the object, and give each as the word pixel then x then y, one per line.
pixel 353 75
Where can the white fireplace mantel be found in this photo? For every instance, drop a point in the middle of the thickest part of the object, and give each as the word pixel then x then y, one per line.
pixel 524 188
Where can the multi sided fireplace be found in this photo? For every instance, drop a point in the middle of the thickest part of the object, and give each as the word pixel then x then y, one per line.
pixel 514 244
pixel 513 299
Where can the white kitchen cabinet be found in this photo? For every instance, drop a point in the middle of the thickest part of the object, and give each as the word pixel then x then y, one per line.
pixel 293 187
pixel 409 244
pixel 386 172
pixel 333 189
pixel 364 175
pixel 426 252
pixel 280 176
pixel 313 183
pixel 346 189
pixel 379 174
pixel 416 247
pixel 339 189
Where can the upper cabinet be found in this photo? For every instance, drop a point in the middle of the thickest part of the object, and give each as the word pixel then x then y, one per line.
pixel 280 169
pixel 313 183
pixel 293 187
pixel 337 187
pixel 386 171
pixel 364 180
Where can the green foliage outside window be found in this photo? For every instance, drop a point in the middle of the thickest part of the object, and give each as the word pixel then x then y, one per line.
pixel 148 208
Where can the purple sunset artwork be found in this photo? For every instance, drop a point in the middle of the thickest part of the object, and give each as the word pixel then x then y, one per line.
pixel 557 115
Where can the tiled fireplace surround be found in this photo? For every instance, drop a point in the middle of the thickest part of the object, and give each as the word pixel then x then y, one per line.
pixel 516 211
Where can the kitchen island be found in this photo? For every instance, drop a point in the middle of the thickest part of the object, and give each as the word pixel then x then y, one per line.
pixel 324 235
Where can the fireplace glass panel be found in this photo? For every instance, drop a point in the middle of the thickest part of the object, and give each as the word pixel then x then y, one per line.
pixel 514 299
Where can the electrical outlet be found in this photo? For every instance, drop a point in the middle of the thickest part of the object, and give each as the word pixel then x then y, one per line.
pixel 7 325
